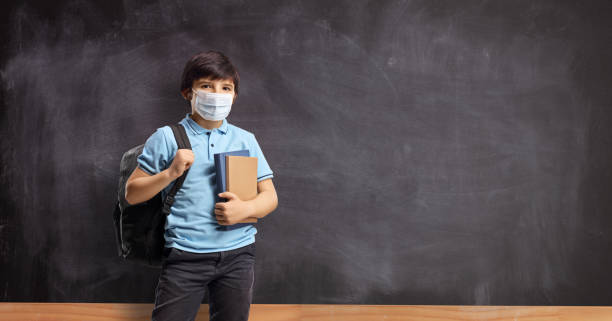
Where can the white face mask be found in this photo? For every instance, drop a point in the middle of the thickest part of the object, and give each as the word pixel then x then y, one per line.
pixel 212 106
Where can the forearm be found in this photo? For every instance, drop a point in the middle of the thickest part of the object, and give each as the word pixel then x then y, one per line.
pixel 264 203
pixel 144 188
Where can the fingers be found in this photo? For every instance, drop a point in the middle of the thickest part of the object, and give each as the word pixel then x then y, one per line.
pixel 221 216
pixel 221 219
pixel 183 160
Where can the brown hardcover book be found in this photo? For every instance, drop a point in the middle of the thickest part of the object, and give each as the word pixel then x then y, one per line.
pixel 241 179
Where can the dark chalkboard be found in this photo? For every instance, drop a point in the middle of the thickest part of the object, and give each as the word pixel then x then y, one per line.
pixel 424 152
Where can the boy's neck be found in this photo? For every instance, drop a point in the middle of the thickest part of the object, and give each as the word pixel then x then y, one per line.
pixel 205 123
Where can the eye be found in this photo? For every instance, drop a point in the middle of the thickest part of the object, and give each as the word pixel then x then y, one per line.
pixel 228 88
pixel 204 86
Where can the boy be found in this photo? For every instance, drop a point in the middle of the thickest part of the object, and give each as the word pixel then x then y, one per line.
pixel 200 253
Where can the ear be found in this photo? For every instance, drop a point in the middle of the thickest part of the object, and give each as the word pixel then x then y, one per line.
pixel 186 93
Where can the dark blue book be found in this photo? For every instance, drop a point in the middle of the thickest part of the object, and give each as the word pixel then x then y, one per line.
pixel 221 179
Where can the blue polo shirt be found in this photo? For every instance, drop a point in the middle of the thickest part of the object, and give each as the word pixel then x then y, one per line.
pixel 191 224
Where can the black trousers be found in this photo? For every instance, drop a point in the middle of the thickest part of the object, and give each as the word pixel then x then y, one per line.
pixel 185 276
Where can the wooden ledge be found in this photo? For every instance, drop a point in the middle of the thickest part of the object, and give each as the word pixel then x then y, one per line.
pixel 312 312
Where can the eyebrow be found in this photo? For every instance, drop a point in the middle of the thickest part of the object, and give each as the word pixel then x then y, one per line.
pixel 208 82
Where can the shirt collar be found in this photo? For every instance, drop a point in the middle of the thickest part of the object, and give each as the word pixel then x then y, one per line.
pixel 198 130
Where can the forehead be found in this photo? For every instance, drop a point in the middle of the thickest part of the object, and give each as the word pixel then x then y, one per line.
pixel 227 81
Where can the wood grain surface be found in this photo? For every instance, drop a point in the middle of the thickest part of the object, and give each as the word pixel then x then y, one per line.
pixel 311 312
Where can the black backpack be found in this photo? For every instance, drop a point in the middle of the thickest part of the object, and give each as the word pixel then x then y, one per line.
pixel 139 228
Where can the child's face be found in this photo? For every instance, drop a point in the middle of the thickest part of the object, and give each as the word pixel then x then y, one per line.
pixel 224 86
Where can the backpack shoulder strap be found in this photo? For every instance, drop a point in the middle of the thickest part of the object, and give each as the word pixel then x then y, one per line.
pixel 182 141
pixel 183 133
pixel 180 135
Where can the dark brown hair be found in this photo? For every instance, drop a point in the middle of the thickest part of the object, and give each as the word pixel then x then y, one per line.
pixel 213 64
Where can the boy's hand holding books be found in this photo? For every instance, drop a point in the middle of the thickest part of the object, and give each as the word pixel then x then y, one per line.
pixel 232 211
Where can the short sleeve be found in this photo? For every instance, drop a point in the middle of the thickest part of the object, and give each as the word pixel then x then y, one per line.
pixel 263 169
pixel 154 156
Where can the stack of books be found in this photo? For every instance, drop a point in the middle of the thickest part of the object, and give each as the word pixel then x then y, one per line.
pixel 237 173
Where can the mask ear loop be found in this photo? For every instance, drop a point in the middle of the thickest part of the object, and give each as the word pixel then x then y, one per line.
pixel 193 96
pixel 192 102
